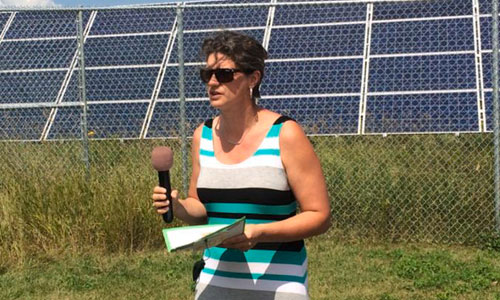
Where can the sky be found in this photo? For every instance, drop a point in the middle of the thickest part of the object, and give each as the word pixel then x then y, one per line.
pixel 76 3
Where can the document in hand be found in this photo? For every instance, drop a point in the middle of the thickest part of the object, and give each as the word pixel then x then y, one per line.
pixel 201 236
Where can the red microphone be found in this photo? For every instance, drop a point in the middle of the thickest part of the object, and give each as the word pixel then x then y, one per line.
pixel 162 159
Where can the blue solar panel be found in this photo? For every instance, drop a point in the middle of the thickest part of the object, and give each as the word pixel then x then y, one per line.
pixel 193 41
pixel 194 86
pixel 36 24
pixel 224 17
pixel 133 21
pixel 17 55
pixel 123 120
pixel 166 117
pixel 422 113
pixel 321 41
pixel 319 115
pixel 486 33
pixel 422 36
pixel 312 77
pixel 487 70
pixel 489 110
pixel 421 9
pixel 125 50
pixel 413 73
pixel 120 84
pixel 312 14
pixel 30 87
pixel 485 7
pixel 22 124
pixel 3 19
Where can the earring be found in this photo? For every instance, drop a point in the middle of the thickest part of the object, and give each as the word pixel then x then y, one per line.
pixel 251 93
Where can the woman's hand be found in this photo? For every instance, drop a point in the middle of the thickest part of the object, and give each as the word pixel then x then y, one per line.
pixel 246 240
pixel 160 201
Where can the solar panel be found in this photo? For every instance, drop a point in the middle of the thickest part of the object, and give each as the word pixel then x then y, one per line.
pixel 193 40
pixel 30 87
pixel 419 73
pixel 22 123
pixel 133 21
pixel 166 117
pixel 120 84
pixel 139 50
pixel 421 9
pixel 319 115
pixel 423 36
pixel 420 68
pixel 422 113
pixel 312 77
pixel 317 41
pixel 305 14
pixel 43 24
pixel 32 54
pixel 489 110
pixel 3 20
pixel 224 17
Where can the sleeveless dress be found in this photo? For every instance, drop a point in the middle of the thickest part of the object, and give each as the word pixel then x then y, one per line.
pixel 258 189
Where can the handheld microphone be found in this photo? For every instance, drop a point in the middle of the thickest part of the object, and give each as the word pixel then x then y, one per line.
pixel 162 159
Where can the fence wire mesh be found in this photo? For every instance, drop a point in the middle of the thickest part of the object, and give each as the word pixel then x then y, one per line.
pixel 396 98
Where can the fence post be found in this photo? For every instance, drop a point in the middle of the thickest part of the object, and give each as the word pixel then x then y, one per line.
pixel 83 96
pixel 182 96
pixel 496 117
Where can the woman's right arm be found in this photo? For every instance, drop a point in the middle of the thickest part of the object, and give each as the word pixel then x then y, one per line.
pixel 190 210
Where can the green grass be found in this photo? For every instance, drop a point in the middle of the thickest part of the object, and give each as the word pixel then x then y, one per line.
pixel 338 269
pixel 423 188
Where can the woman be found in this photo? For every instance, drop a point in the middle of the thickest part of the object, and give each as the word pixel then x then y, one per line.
pixel 249 161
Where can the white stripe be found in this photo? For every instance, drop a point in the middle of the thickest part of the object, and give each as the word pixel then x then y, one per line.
pixel 259 268
pixel 247 284
pixel 270 143
pixel 206 144
pixel 254 161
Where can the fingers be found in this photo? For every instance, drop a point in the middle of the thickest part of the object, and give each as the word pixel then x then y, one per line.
pixel 160 201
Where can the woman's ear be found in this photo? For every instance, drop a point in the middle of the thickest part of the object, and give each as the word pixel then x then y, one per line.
pixel 255 78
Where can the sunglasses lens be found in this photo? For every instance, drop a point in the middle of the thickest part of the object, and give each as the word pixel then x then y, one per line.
pixel 206 75
pixel 224 75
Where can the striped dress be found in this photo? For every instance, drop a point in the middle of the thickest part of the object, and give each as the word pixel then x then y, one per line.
pixel 258 189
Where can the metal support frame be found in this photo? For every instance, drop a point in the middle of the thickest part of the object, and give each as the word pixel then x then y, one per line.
pixel 365 74
pixel 496 113
pixel 481 107
pixel 83 95
pixel 182 95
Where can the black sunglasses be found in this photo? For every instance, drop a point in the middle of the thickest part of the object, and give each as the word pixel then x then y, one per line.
pixel 222 75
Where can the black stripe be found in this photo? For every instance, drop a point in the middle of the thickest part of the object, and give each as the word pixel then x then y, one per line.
pixel 236 216
pixel 289 246
pixel 208 123
pixel 283 119
pixel 247 195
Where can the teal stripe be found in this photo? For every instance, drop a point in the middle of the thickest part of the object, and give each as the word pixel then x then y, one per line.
pixel 206 133
pixel 274 131
pixel 207 153
pixel 252 208
pixel 216 221
pixel 275 152
pixel 259 256
pixel 257 276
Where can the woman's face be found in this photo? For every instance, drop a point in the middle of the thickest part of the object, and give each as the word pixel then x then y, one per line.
pixel 229 93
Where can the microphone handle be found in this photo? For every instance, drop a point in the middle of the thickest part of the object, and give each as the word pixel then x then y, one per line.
pixel 164 178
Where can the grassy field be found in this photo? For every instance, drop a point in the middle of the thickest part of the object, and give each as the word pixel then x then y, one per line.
pixel 66 234
pixel 339 269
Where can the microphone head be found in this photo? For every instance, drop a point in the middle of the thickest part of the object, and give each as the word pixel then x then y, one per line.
pixel 162 158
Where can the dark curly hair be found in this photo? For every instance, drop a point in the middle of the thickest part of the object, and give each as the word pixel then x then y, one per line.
pixel 246 52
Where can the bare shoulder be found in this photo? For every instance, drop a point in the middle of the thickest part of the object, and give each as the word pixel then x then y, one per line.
pixel 292 134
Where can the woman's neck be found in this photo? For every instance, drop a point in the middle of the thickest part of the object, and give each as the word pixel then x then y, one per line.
pixel 234 125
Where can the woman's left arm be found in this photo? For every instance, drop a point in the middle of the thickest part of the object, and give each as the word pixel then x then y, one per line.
pixel 307 182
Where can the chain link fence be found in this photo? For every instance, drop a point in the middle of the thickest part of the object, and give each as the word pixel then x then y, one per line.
pixel 396 97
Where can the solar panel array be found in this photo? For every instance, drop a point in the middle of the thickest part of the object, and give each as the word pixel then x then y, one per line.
pixel 338 68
